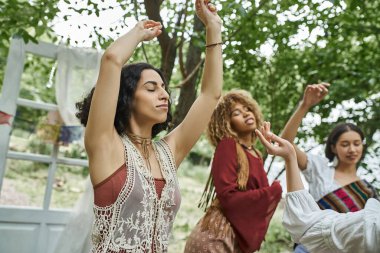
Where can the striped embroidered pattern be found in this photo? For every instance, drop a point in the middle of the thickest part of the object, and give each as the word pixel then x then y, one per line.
pixel 349 198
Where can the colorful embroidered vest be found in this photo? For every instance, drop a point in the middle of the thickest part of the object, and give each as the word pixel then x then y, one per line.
pixel 138 221
pixel 349 198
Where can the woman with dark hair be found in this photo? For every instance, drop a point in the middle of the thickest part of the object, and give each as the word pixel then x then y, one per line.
pixel 238 199
pixel 136 194
pixel 333 180
pixel 322 231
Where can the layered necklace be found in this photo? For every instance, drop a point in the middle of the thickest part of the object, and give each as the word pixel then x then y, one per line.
pixel 145 143
pixel 247 147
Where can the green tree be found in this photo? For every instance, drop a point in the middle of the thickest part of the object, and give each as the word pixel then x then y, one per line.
pixel 309 41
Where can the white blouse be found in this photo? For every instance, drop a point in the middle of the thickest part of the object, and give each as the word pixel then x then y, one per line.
pixel 326 231
pixel 320 176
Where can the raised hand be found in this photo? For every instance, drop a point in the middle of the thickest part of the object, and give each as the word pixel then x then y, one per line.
pixel 274 144
pixel 207 13
pixel 314 93
pixel 150 29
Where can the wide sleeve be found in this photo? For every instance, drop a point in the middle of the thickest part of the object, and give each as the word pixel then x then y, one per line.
pixel 315 168
pixel 319 175
pixel 326 230
pixel 250 211
pixel 372 226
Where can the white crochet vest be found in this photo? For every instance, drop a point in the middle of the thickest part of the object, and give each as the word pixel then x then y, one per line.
pixel 138 221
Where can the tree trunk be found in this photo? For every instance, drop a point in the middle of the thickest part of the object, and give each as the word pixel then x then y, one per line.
pixel 188 89
pixel 167 44
pixel 168 57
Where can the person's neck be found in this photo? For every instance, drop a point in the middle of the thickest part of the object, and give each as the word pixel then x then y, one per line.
pixel 246 140
pixel 348 169
pixel 140 131
pixel 142 138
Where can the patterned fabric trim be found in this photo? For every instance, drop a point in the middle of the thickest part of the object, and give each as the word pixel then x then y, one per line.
pixel 349 198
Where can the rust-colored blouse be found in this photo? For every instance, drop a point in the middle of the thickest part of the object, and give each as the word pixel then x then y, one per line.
pixel 106 192
pixel 250 211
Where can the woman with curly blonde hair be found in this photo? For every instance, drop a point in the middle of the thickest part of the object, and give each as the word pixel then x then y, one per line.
pixel 238 200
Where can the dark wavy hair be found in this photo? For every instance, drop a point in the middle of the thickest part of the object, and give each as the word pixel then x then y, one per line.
pixel 334 135
pixel 130 75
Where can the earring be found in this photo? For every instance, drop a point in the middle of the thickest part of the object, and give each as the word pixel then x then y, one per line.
pixel 335 161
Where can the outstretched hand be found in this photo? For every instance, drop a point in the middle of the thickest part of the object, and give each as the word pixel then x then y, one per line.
pixel 285 149
pixel 314 93
pixel 275 145
pixel 150 29
pixel 207 13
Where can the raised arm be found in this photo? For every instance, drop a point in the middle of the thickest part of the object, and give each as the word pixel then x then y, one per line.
pixel 101 137
pixel 304 219
pixel 100 125
pixel 183 137
pixel 284 149
pixel 313 94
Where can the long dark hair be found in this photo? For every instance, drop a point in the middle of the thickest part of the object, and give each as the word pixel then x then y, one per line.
pixel 334 135
pixel 130 75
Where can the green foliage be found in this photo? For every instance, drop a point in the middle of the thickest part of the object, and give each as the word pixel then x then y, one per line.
pixel 201 154
pixel 30 20
pixel 27 19
pixel 277 238
pixel 37 146
pixel 339 44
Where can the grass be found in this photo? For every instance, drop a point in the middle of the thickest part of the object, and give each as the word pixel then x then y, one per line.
pixel 30 179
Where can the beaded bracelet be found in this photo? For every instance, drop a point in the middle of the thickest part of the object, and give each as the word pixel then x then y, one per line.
pixel 215 44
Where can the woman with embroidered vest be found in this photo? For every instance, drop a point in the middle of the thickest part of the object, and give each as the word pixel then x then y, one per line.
pixel 238 198
pixel 322 231
pixel 135 186
pixel 333 181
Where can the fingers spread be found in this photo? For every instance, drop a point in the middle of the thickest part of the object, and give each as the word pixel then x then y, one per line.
pixel 327 85
pixel 267 144
pixel 277 139
pixel 151 23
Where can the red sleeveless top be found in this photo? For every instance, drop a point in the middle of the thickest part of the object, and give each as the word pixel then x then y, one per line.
pixel 106 192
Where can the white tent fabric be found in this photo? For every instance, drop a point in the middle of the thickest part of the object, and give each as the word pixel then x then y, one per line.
pixel 77 71
pixel 76 237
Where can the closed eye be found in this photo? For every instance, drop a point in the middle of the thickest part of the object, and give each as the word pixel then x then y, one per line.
pixel 235 113
pixel 152 85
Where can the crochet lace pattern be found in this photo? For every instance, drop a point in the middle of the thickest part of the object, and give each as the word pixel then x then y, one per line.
pixel 138 221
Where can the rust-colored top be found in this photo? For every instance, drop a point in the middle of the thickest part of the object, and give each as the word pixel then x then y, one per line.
pixel 106 192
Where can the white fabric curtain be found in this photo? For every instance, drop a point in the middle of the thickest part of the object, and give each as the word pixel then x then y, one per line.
pixel 77 71
pixel 76 237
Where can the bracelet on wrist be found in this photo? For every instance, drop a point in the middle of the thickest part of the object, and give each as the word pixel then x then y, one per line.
pixel 214 44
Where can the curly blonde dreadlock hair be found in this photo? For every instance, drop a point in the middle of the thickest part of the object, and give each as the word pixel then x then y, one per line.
pixel 220 128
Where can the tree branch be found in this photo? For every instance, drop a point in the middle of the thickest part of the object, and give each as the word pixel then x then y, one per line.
pixel 180 45
pixel 167 43
pixel 190 75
